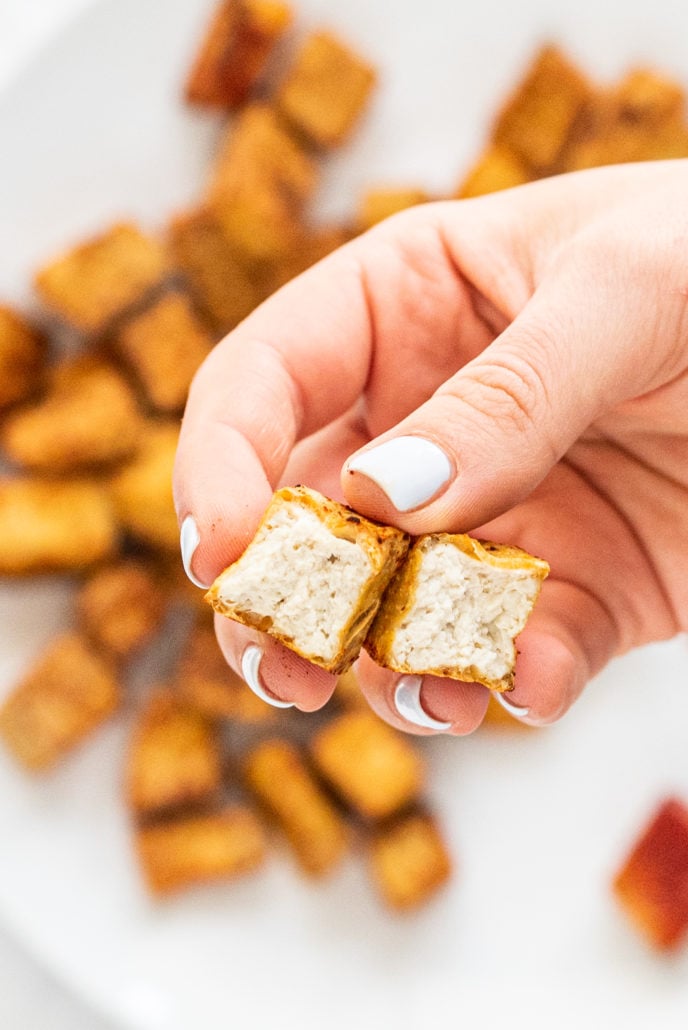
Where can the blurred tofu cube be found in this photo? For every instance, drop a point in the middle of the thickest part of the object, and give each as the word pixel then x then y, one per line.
pixel 120 607
pixel 235 52
pixel 280 779
pixel 142 490
pixel 326 90
pixel 377 204
pixel 54 525
pixel 316 245
pixel 497 168
pixel 259 223
pixel 69 691
pixel 23 354
pixel 652 885
pixel 200 849
pixel 409 862
pixel 99 279
pixel 645 95
pixel 371 766
pixel 88 418
pixel 163 345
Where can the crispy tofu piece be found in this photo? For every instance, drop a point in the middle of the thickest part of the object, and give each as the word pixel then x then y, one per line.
pixel 142 490
pixel 371 766
pixel 174 757
pixel 260 225
pixel 316 245
pixel 120 607
pixel 200 849
pixel 221 285
pixel 88 418
pixel 536 122
pixel 206 682
pixel 280 779
pixel 645 95
pixel 383 202
pixel 652 885
pixel 98 280
pixel 54 526
pixel 409 862
pixel 326 90
pixel 163 345
pixel 497 168
pixel 68 692
pixel 235 52
pixel 23 354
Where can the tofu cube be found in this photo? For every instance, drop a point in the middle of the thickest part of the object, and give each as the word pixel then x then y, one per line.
pixel 120 607
pixel 23 355
pixel 142 490
pixel 497 168
pixel 383 202
pixel 409 862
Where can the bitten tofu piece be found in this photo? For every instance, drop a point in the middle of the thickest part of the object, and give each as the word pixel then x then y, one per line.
pixel 69 691
pixel 326 90
pixel 383 202
pixel 200 849
pixel 163 345
pixel 142 490
pixel 174 757
pixel 372 767
pixel 239 42
pixel 120 607
pixel 23 355
pixel 312 577
pixel 88 418
pixel 455 608
pixel 497 168
pixel 536 122
pixel 95 282
pixel 652 885
pixel 54 526
pixel 409 862
pixel 280 779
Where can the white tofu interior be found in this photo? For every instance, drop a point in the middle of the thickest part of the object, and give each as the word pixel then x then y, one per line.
pixel 302 576
pixel 465 613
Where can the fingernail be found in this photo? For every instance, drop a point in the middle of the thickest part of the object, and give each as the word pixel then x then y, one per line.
pixel 408 704
pixel 250 668
pixel 410 470
pixel 189 539
pixel 518 711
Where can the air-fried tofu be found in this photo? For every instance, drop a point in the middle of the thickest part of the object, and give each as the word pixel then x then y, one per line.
pixel 234 54
pixel 279 777
pixel 205 680
pixel 326 90
pixel 377 204
pixel 652 885
pixel 536 122
pixel 69 691
pixel 99 279
pixel 497 168
pixel 174 757
pixel 371 766
pixel 120 607
pixel 23 354
pixel 409 861
pixel 88 418
pixel 200 849
pixel 54 526
pixel 259 223
pixel 645 95
pixel 142 491
pixel 163 345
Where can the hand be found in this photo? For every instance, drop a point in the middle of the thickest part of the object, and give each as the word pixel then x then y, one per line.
pixel 539 338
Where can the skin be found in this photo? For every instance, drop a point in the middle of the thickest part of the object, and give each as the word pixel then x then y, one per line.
pixel 540 336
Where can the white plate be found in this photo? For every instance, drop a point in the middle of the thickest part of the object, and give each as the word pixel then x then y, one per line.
pixel 527 934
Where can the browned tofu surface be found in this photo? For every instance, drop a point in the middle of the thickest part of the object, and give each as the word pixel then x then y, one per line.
pixel 69 691
pixel 142 490
pixel 377 204
pixel 497 168
pixel 23 353
pixel 409 862
pixel 316 245
pixel 259 224
pixel 120 607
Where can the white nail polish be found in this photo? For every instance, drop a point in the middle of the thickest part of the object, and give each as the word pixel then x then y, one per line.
pixel 408 704
pixel 410 470
pixel 250 668
pixel 189 539
pixel 517 711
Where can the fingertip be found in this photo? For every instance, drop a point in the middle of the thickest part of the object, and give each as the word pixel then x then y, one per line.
pixel 550 675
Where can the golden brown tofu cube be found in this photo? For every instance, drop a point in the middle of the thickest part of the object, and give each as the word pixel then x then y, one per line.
pixel 326 90
pixel 120 607
pixel 378 204
pixel 259 223
pixel 69 691
pixel 200 849
pixel 54 526
pixel 164 345
pixel 23 355
pixel 239 42
pixel 645 95
pixel 99 279
pixel 174 757
pixel 536 122
pixel 371 766
pixel 652 885
pixel 316 245
pixel 409 862
pixel 88 418
pixel 497 168
pixel 142 490
pixel 279 777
